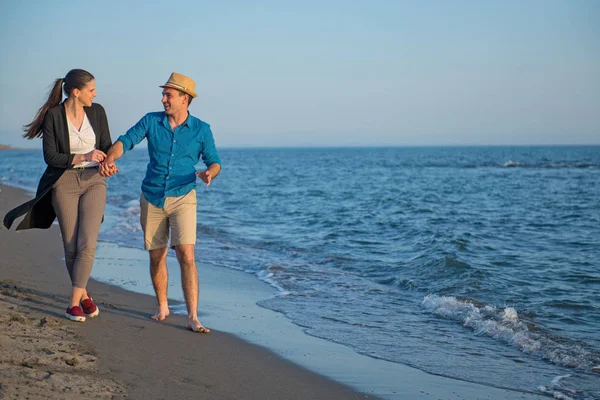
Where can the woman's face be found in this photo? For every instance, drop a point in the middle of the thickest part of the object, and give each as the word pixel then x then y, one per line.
pixel 86 95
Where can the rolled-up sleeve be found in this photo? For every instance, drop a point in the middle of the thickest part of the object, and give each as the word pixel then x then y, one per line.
pixel 135 134
pixel 209 150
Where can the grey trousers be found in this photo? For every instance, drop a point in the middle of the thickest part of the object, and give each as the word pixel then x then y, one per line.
pixel 78 199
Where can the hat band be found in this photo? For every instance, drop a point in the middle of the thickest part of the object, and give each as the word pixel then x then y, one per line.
pixel 174 84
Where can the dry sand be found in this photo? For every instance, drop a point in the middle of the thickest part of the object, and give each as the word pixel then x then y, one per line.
pixel 42 356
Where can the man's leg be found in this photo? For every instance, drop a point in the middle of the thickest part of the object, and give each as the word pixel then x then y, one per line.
pixel 160 280
pixel 189 282
pixel 156 240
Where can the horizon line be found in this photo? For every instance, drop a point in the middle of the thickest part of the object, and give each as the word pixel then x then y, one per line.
pixel 378 146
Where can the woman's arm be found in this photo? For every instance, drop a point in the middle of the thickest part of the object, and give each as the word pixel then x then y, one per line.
pixel 52 156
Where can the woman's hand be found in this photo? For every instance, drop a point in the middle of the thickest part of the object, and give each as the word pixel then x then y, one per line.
pixel 95 155
pixel 108 168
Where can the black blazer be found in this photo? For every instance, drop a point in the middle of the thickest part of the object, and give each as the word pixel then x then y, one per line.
pixel 40 213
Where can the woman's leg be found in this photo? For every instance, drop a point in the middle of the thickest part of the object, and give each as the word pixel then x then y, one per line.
pixel 65 201
pixel 76 193
pixel 91 210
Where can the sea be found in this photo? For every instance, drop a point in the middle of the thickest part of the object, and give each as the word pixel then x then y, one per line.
pixel 481 264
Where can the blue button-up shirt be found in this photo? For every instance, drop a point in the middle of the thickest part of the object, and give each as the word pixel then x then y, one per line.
pixel 173 155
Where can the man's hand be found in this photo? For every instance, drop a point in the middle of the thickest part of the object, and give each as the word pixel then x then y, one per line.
pixel 206 176
pixel 108 168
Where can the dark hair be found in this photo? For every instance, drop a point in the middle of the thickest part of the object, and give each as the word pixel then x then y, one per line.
pixel 75 79
pixel 190 98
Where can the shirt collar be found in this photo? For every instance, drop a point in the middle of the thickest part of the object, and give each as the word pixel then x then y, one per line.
pixel 189 121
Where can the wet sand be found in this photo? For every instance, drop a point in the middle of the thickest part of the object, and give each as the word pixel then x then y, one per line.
pixel 122 353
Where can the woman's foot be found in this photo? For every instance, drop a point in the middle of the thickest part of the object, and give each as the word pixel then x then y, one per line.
pixel 89 307
pixel 75 314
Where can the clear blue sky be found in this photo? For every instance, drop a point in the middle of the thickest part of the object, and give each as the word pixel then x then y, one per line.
pixel 320 73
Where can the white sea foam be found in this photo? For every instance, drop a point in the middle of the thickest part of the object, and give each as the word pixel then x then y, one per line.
pixel 510 313
pixel 131 208
pixel 554 393
pixel 557 391
pixel 557 379
pixel 266 275
pixel 505 325
pixel 130 213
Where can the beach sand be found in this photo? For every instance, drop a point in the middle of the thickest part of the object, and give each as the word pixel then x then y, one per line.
pixel 122 353
pixel 42 356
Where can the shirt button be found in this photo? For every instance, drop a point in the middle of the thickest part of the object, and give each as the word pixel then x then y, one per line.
pixel 172 155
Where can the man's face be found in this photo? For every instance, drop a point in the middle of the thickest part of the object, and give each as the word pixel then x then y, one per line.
pixel 173 101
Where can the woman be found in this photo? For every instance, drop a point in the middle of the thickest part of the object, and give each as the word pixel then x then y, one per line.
pixel 75 138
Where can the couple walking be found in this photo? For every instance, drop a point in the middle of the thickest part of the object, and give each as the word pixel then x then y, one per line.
pixel 80 155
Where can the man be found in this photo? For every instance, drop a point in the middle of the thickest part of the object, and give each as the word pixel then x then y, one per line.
pixel 176 142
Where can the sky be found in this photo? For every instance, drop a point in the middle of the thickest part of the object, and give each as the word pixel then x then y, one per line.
pixel 320 73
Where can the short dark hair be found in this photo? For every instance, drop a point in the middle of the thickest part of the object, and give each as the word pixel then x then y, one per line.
pixel 190 98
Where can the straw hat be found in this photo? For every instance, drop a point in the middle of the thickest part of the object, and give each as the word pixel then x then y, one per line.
pixel 181 83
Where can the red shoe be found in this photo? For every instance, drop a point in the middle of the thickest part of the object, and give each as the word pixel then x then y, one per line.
pixel 75 314
pixel 89 308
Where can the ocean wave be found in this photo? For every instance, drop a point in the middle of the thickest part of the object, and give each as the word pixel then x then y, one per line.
pixel 558 392
pixel 511 164
pixel 504 324
pixel 548 165
pixel 343 321
pixel 507 164
pixel 267 275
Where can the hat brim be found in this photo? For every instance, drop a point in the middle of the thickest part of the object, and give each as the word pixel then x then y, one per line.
pixel 168 85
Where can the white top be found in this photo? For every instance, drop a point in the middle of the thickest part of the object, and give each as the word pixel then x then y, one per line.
pixel 82 141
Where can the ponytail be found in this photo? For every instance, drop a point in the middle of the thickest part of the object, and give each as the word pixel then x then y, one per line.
pixel 75 79
pixel 34 129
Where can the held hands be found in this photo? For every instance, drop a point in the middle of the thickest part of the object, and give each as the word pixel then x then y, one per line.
pixel 206 176
pixel 108 168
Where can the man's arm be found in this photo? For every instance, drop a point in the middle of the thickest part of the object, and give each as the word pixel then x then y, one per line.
pixel 108 167
pixel 210 173
pixel 115 152
pixel 210 156
pixel 124 143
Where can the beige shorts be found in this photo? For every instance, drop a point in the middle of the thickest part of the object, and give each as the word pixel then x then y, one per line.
pixel 178 216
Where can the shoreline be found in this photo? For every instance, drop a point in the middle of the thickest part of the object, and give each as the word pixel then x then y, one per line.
pixel 146 358
pixel 246 339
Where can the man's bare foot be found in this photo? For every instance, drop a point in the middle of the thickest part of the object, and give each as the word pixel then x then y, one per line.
pixel 161 313
pixel 196 326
